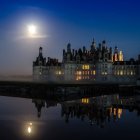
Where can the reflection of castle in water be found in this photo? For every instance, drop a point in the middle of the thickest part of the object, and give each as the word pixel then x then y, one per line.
pixel 39 104
pixel 97 110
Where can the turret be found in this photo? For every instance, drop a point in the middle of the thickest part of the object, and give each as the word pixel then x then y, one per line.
pixel 84 49
pixel 103 44
pixel 116 49
pixel 69 48
pixel 120 56
pixel 116 55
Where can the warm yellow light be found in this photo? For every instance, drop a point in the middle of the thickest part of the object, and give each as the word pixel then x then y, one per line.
pixel 85 67
pixel 30 123
pixel 59 73
pixel 121 72
pixel 119 113
pixel 29 129
pixel 78 78
pixel 120 56
pixel 79 72
pixel 131 72
pixel 115 112
pixel 85 100
pixel 32 30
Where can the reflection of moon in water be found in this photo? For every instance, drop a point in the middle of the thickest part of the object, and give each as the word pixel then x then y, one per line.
pixel 29 130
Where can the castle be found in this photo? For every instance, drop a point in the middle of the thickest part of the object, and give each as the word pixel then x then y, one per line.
pixel 98 64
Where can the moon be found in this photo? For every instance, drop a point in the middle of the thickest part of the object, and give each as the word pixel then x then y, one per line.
pixel 32 30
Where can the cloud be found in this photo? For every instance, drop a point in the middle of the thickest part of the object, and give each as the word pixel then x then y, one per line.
pixel 33 37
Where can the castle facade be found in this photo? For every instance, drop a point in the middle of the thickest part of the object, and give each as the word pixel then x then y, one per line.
pixel 98 64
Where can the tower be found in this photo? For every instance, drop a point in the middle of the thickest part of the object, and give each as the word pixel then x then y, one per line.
pixel 93 46
pixel 120 56
pixel 69 48
pixel 40 52
pixel 116 55
pixel 103 44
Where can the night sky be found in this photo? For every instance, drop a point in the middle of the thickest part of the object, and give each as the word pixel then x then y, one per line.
pixel 61 21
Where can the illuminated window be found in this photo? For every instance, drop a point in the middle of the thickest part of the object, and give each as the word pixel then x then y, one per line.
pixel 121 72
pixel 85 67
pixel 105 73
pixel 116 57
pixel 119 112
pixel 115 112
pixel 94 72
pixel 131 72
pixel 85 100
pixel 58 72
pixel 78 72
pixel 78 78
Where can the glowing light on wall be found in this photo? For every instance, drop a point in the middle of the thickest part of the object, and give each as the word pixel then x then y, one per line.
pixel 79 72
pixel 119 112
pixel 29 130
pixel 85 100
pixel 115 57
pixel 85 67
pixel 115 112
pixel 120 56
pixel 78 78
pixel 58 72
pixel 131 72
pixel 121 72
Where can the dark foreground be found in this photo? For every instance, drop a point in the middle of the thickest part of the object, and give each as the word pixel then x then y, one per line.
pixel 69 113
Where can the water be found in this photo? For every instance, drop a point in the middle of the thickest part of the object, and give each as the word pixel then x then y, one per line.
pixel 101 117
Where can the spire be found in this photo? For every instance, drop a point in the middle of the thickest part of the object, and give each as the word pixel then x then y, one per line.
pixel 104 44
pixel 93 46
pixel 69 48
pixel 116 49
pixel 116 54
pixel 40 51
